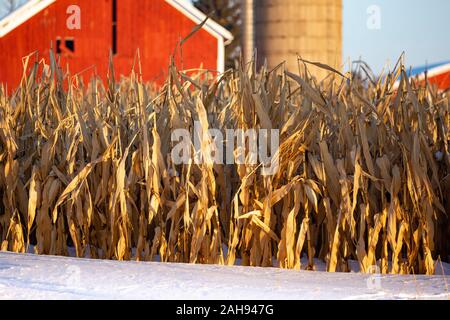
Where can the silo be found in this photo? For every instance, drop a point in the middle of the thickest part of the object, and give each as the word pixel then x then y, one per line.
pixel 310 28
pixel 248 29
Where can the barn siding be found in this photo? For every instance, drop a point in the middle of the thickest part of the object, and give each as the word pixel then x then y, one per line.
pixel 441 80
pixel 152 26
pixel 161 27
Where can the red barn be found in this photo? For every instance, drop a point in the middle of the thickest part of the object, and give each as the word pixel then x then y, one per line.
pixel 84 32
pixel 437 74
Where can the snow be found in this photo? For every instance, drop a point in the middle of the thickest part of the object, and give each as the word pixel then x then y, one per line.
pixel 29 276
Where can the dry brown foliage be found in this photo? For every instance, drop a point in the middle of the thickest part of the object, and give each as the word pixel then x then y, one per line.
pixel 363 170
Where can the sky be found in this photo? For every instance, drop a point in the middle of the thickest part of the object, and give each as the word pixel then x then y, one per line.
pixel 5 5
pixel 418 27
pixel 378 31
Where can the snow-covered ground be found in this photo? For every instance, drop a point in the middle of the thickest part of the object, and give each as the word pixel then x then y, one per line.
pixel 29 276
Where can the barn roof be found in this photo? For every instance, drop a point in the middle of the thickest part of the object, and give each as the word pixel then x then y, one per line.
pixel 431 70
pixel 33 7
pixel 197 16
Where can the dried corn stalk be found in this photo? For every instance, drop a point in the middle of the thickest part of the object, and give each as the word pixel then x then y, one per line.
pixel 363 170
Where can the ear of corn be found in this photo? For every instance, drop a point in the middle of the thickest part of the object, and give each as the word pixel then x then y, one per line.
pixel 363 170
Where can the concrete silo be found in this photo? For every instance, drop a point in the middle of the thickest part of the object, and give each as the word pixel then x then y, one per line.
pixel 283 28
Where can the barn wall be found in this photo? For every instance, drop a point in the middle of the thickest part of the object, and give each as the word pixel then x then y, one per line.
pixel 155 28
pixel 40 32
pixel 441 80
pixel 152 26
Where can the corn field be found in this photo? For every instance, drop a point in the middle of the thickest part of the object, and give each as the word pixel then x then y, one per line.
pixel 363 169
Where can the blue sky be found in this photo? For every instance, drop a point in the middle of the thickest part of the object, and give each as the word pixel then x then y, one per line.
pixel 4 5
pixel 418 27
